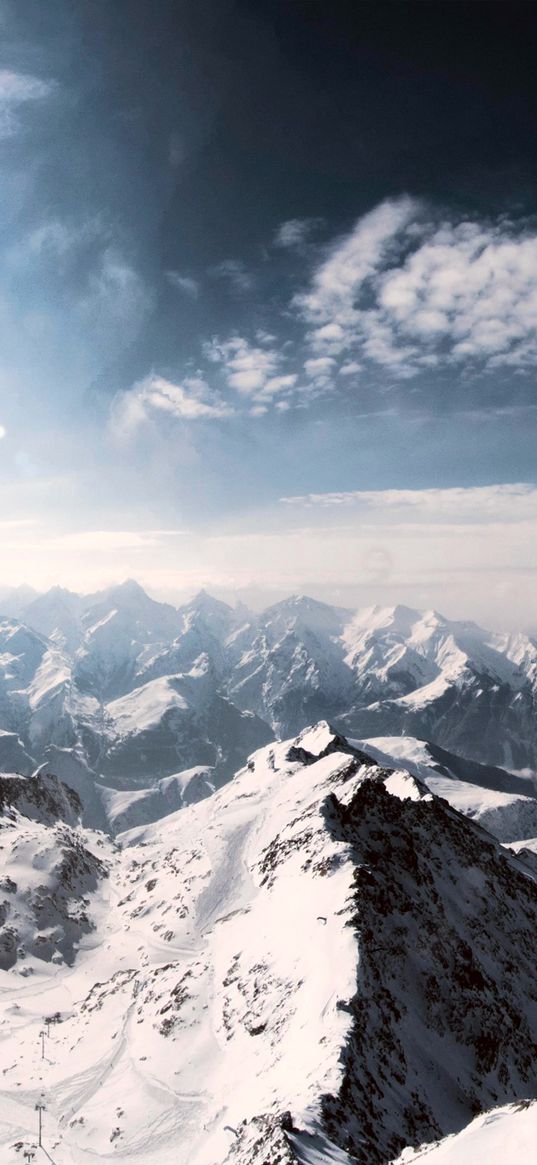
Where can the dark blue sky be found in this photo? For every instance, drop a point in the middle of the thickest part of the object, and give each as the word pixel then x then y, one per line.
pixel 265 249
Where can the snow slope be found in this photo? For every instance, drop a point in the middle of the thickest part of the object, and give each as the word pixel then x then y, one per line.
pixel 128 808
pixel 315 964
pixel 504 1136
pixel 501 802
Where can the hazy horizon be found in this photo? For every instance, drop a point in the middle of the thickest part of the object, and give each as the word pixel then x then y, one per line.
pixel 269 301
pixel 255 599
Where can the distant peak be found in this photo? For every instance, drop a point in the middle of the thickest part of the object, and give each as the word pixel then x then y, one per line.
pixel 204 599
pixel 130 589
pixel 58 592
pixel 301 601
pixel 130 586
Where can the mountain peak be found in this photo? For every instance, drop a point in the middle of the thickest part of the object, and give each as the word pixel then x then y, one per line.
pixel 203 600
pixel 54 594
pixel 130 587
pixel 129 591
pixel 301 600
pixel 303 611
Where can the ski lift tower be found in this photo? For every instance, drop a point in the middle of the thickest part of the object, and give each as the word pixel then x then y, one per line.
pixel 40 1109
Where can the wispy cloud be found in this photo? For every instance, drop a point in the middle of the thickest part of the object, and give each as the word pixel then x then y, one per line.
pixel 84 270
pixel 184 283
pixel 513 501
pixel 234 270
pixel 57 243
pixel 109 541
pixel 157 397
pixel 16 523
pixel 3 432
pixel 16 90
pixel 116 299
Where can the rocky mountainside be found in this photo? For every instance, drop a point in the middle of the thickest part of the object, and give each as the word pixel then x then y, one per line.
pixel 48 873
pixel 323 961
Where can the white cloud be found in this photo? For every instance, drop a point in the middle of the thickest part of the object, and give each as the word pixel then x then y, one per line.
pixel 251 370
pixel 155 396
pixel 294 232
pixel 330 337
pixel 176 149
pixel 319 366
pixel 279 384
pixel 184 283
pixel 350 263
pixel 409 294
pixel 17 89
pixel 3 431
pixel 54 237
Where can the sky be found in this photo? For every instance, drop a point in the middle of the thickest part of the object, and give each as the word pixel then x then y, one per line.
pixel 268 300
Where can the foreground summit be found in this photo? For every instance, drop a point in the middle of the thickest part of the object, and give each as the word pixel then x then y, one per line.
pixel 322 962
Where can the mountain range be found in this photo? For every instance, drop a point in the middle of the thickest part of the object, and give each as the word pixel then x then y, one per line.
pixel 119 690
pixel 268 884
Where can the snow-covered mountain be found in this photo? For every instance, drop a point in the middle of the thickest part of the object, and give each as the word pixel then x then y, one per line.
pixel 472 691
pixel 123 684
pixel 387 671
pixel 68 661
pixel 14 600
pixel 380 671
pixel 290 668
pixel 322 962
pixel 328 958
pixel 56 615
